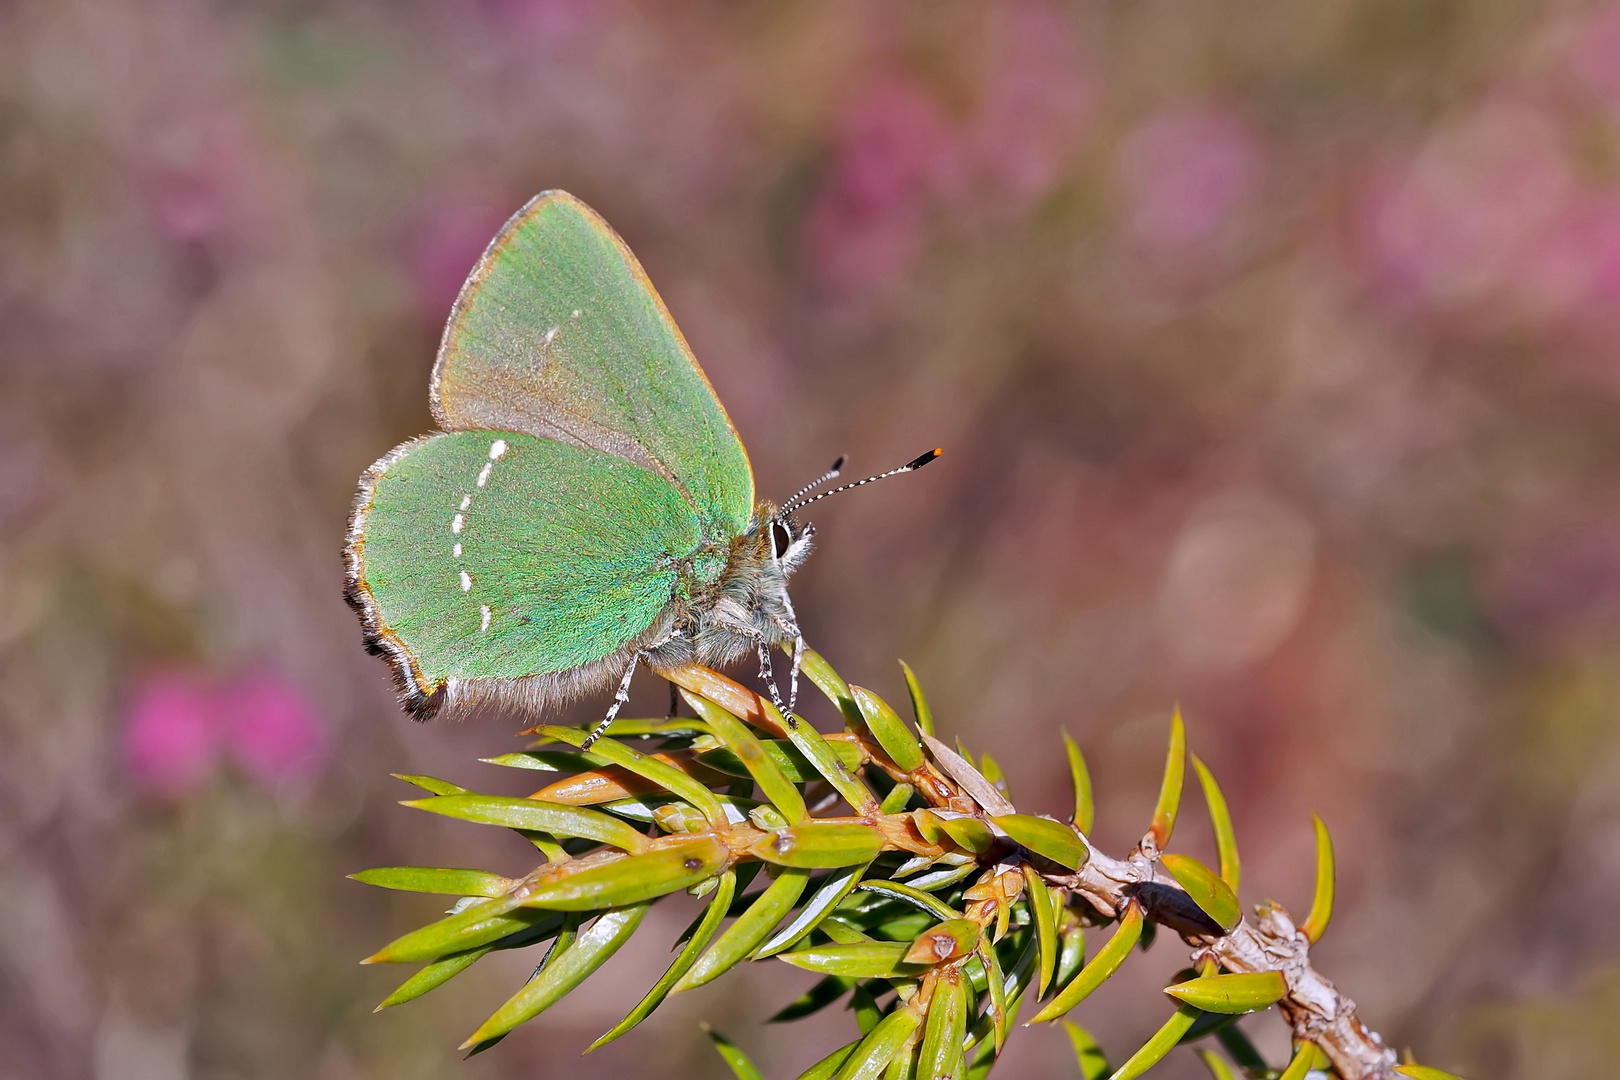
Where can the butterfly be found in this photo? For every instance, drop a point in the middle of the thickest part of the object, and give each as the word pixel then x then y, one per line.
pixel 588 506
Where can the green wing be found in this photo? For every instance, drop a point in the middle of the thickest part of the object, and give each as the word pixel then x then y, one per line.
pixel 558 333
pixel 496 555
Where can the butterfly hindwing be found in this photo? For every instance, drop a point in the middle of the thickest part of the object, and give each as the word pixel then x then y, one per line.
pixel 496 555
pixel 558 333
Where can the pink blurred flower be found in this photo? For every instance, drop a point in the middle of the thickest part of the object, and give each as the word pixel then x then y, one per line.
pixel 1452 223
pixel 1036 102
pixel 895 144
pixel 272 732
pixel 181 722
pixel 172 735
pixel 896 152
pixel 1594 54
pixel 186 202
pixel 553 22
pixel 444 237
pixel 1575 262
pixel 1573 276
pixel 895 147
pixel 193 165
pixel 1185 172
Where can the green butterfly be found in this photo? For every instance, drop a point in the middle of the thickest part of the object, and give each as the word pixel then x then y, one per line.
pixel 588 506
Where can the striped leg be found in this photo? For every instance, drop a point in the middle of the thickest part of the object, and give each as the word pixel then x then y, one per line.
pixel 770 683
pixel 793 681
pixel 791 626
pixel 618 703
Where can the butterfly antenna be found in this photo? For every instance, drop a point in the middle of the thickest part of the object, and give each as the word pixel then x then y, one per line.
pixel 830 474
pixel 911 466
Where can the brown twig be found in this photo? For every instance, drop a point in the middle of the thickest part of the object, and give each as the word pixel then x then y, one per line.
pixel 1314 1008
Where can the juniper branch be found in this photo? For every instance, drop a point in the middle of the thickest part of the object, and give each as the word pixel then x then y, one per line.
pixel 934 888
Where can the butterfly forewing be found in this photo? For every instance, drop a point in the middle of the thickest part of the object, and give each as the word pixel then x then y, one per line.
pixel 559 333
pixel 496 555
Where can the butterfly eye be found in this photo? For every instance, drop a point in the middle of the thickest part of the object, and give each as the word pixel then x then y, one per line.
pixel 781 537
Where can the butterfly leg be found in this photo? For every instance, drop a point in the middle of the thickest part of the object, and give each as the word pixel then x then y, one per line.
pixel 618 703
pixel 770 683
pixel 791 625
pixel 793 680
pixel 674 703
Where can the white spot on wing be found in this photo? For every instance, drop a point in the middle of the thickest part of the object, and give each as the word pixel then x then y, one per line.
pixel 466 501
pixel 456 551
pixel 550 336
pixel 483 474
pixel 575 315
pixel 496 449
pixel 456 523
pixel 483 610
pixel 466 582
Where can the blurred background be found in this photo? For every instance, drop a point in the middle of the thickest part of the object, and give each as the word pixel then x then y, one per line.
pixel 1273 347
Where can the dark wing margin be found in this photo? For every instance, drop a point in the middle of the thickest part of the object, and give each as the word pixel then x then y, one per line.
pixel 417 696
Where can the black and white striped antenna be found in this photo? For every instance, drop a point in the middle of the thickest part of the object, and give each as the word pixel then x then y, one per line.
pixel 830 474
pixel 911 466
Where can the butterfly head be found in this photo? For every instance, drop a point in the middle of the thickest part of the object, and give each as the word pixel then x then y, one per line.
pixel 790 543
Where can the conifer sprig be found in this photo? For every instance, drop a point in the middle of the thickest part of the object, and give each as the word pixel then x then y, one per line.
pixel 889 863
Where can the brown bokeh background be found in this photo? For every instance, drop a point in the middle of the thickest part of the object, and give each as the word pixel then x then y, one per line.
pixel 1272 345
